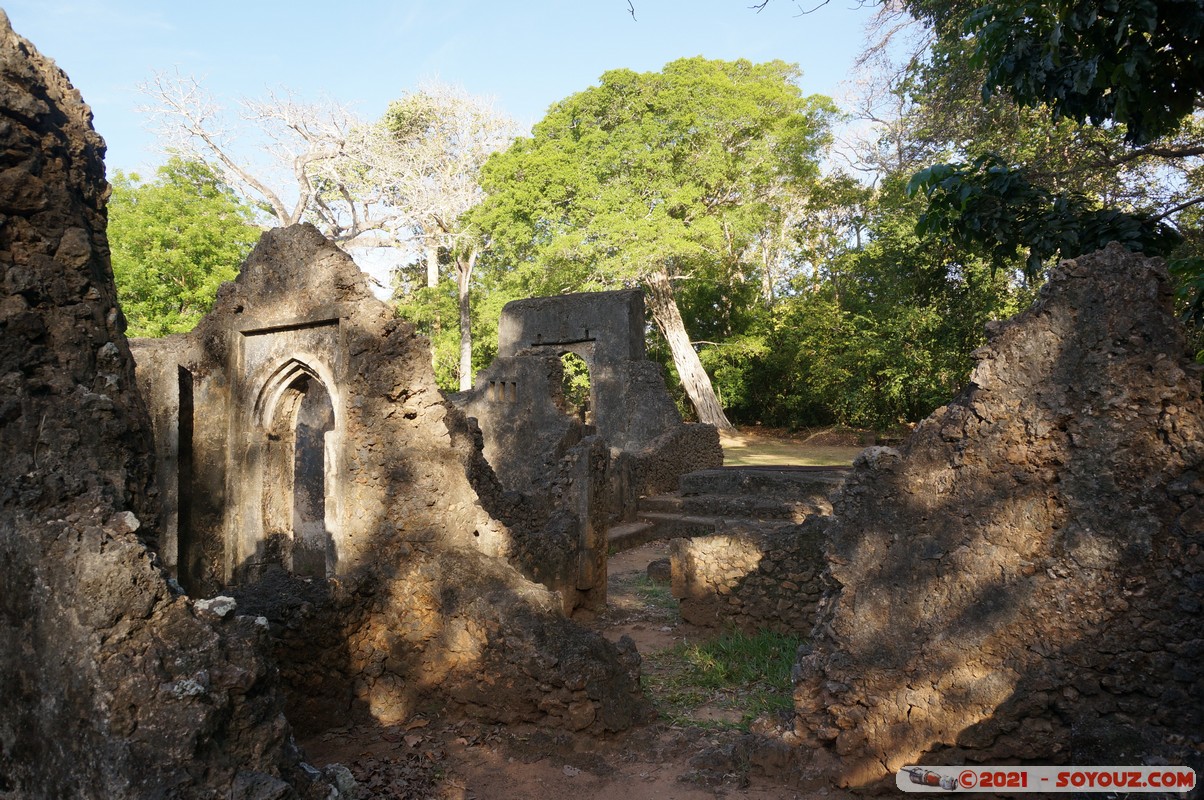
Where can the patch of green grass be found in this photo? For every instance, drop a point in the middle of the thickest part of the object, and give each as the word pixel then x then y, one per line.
pixel 657 595
pixel 744 673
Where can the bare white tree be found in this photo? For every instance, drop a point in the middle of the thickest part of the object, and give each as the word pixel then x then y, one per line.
pixel 410 176
pixel 299 160
pixel 434 142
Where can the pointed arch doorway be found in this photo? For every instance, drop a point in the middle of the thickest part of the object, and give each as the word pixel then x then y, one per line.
pixel 299 492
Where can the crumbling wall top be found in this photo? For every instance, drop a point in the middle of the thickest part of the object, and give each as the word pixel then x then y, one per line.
pixel 1021 579
pixel 601 327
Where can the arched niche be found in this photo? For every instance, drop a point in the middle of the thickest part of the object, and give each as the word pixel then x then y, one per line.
pixel 297 426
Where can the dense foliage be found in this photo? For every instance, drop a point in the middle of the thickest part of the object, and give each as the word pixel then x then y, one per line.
pixel 1022 132
pixel 1133 69
pixel 881 334
pixel 991 207
pixel 174 241
pixel 687 176
pixel 1136 62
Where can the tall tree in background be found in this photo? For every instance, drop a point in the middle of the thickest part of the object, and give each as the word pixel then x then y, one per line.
pixel 1070 62
pixel 656 178
pixel 437 138
pixel 174 241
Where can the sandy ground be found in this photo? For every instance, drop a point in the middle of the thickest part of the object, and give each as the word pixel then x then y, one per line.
pixel 754 447
pixel 465 760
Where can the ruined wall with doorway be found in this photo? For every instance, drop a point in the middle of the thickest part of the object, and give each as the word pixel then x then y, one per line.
pixel 571 377
pixel 322 480
pixel 112 685
pixel 1023 580
pixel 289 402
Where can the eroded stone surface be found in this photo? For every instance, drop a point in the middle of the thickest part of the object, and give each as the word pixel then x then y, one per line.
pixel 751 578
pixel 1023 579
pixel 560 478
pixel 111 686
pixel 321 477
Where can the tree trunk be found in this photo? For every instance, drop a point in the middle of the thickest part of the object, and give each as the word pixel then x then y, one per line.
pixel 463 276
pixel 432 264
pixel 693 377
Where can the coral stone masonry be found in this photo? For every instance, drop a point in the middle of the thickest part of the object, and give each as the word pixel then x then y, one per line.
pixel 316 474
pixel 280 512
pixel 112 685
pixel 1022 580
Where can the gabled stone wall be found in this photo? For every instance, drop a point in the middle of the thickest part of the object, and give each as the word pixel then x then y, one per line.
pixel 1023 579
pixel 300 328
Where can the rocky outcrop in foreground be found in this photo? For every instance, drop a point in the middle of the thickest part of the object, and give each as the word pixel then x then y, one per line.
pixel 1023 579
pixel 111 686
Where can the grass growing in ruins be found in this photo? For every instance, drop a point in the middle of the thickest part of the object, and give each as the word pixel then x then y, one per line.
pixel 654 594
pixel 727 681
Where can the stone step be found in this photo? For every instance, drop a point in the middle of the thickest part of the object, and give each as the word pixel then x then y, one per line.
pixel 668 525
pixel 629 535
pixel 739 505
pixel 782 483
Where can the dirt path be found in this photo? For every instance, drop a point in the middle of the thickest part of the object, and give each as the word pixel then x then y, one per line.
pixel 464 760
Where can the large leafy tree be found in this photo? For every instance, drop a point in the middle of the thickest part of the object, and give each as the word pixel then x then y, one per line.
pixel 879 331
pixel 1069 62
pixel 655 179
pixel 1136 62
pixel 174 241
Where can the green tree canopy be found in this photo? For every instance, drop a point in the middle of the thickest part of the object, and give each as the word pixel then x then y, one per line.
pixel 1065 63
pixel 1136 62
pixel 174 241
pixel 658 178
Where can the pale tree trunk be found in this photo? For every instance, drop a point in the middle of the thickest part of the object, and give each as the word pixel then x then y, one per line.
pixel 693 377
pixel 767 276
pixel 432 264
pixel 464 269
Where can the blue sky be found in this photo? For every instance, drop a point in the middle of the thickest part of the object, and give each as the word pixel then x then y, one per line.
pixel 525 54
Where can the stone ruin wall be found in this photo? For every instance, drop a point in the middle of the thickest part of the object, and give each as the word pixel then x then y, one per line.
pixel 519 405
pixel 558 482
pixel 1022 580
pixel 546 475
pixel 657 467
pixel 752 579
pixel 112 684
pixel 300 320
pixel 420 600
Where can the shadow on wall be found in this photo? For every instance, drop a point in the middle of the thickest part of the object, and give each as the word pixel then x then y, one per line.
pixel 111 684
pixel 576 426
pixel 347 519
pixel 1022 581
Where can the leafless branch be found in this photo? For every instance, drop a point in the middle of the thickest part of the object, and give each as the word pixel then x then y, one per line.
pixel 1195 201
pixel 802 13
